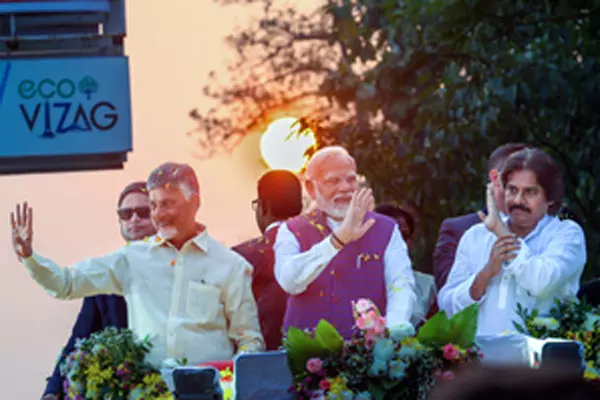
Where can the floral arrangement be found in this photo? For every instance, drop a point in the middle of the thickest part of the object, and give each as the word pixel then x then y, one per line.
pixel 111 365
pixel 225 369
pixel 227 383
pixel 379 363
pixel 569 320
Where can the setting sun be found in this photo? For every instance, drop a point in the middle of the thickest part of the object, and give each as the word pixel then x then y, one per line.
pixel 282 148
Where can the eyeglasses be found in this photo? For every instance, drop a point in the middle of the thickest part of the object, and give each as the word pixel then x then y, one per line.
pixel 254 204
pixel 125 214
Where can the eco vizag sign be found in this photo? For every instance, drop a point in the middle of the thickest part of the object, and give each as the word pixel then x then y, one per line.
pixel 72 115
pixel 64 106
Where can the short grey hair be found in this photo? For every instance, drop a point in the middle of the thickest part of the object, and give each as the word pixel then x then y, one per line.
pixel 313 169
pixel 176 175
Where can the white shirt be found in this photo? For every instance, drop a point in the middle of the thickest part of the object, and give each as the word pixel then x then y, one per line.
pixel 549 265
pixel 195 303
pixel 295 270
pixel 273 225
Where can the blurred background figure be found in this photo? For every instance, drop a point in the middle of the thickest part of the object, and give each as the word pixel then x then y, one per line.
pixel 279 198
pixel 516 383
pixel 425 283
pixel 404 219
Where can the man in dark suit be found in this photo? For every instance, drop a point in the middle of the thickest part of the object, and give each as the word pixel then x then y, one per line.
pixel 279 198
pixel 99 312
pixel 452 229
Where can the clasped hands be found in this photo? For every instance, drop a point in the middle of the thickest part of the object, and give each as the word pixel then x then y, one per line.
pixel 507 244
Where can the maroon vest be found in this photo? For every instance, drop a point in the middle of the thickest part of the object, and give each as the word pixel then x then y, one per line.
pixel 270 298
pixel 357 271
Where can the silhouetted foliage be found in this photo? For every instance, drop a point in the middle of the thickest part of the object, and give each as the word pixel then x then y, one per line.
pixel 422 91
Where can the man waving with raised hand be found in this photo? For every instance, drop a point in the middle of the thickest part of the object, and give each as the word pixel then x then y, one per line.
pixel 188 293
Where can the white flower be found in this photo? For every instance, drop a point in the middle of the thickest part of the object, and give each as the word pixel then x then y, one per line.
pixel 546 322
pixel 97 348
pixel 591 319
pixel 170 363
pixel 402 331
pixel 136 394
pixel 318 395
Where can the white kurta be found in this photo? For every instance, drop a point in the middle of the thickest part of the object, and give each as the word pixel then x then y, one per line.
pixel 548 266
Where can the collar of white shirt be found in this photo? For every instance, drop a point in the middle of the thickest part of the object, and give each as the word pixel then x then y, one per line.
pixel 273 225
pixel 200 240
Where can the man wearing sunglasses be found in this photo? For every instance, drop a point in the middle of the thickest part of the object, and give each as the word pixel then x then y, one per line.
pixel 102 311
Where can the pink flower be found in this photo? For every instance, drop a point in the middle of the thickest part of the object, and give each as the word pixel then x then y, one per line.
pixel 363 305
pixel 314 365
pixel 371 323
pixel 324 384
pixel 451 353
pixel 370 340
pixel 363 323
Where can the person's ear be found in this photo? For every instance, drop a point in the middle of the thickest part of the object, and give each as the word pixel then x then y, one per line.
pixel 310 188
pixel 263 206
pixel 494 175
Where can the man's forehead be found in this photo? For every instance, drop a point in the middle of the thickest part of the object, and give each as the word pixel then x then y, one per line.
pixel 164 193
pixel 135 199
pixel 522 179
pixel 339 173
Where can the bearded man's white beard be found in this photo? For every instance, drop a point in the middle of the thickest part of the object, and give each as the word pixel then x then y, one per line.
pixel 167 232
pixel 330 208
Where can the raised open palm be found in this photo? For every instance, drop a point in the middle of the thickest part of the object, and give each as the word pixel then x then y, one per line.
pixel 492 220
pixel 354 226
pixel 22 231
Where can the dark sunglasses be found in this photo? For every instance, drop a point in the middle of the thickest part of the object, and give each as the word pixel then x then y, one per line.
pixel 125 214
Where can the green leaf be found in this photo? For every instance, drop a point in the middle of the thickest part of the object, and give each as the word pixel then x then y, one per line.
pixel 520 328
pixel 460 329
pixel 300 347
pixel 389 384
pixel 464 326
pixel 377 390
pixel 328 337
pixel 433 332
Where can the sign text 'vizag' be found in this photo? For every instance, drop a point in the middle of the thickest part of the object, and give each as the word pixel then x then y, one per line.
pixel 57 106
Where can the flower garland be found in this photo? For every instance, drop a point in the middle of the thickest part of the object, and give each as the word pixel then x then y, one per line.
pixel 379 363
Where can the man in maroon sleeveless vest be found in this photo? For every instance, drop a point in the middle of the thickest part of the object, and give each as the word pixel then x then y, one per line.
pixel 279 198
pixel 341 252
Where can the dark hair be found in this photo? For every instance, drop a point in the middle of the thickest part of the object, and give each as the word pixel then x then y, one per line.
pixel 395 211
pixel 546 171
pixel 133 187
pixel 516 383
pixel 499 156
pixel 281 191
